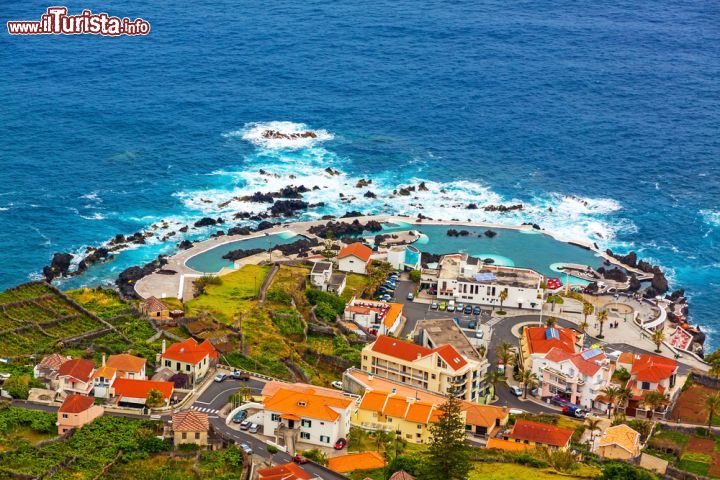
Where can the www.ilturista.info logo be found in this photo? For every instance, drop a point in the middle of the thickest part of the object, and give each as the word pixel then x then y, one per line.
pixel 57 22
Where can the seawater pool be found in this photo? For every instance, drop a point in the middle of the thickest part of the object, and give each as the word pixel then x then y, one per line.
pixel 530 249
pixel 211 261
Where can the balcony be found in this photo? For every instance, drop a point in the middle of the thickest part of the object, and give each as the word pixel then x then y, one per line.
pixel 458 380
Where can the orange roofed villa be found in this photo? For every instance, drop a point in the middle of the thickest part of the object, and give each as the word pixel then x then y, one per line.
pixel 76 411
pixel 354 258
pixel 375 316
pixel 442 369
pixel 534 434
pixel 649 373
pixel 189 357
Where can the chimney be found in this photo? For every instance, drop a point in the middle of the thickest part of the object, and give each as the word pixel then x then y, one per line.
pixel 370 376
pixel 163 346
pixel 103 359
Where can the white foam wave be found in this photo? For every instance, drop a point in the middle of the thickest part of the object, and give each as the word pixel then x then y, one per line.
pixel 4 209
pixel 711 217
pixel 94 216
pixel 253 133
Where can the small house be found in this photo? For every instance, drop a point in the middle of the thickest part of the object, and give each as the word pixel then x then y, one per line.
pixel 190 426
pixel 76 411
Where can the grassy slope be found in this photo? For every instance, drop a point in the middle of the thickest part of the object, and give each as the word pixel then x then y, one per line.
pixel 503 471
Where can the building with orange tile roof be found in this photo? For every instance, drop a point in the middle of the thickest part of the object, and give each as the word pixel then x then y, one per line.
pixel 619 442
pixel 383 317
pixel 75 376
pixel 320 418
pixel 190 426
pixel 76 411
pixel 286 471
pixel 540 434
pixel 102 380
pixel 271 387
pixel 536 342
pixel 154 308
pixel 649 373
pixel 189 357
pixel 354 258
pixel 508 445
pixel 442 369
pixel 356 461
pixel 135 392
pixel 127 366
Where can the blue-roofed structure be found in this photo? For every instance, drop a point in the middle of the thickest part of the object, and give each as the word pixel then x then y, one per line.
pixel 551 333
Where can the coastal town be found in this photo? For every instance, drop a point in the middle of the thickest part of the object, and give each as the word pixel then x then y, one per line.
pixel 341 349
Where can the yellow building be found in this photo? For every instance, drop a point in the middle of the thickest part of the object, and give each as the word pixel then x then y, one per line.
pixel 190 426
pixel 442 369
pixel 189 357
pixel 619 442
pixel 154 308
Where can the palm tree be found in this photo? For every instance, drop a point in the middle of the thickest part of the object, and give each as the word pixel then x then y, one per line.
pixel 602 317
pixel 658 337
pixel 505 355
pixel 587 309
pixel 712 403
pixel 623 395
pixel 482 350
pixel 493 377
pixel 593 425
pixel 611 392
pixel 654 400
pixel 551 322
pixel 584 326
pixel 503 296
pixel 528 380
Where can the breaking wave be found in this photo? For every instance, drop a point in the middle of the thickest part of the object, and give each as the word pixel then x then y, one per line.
pixel 285 135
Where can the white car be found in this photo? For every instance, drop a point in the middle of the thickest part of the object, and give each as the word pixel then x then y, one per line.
pixel 515 390
pixel 337 384
pixel 410 296
pixel 220 377
pixel 246 448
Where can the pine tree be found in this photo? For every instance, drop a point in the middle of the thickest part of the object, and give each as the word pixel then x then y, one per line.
pixel 448 455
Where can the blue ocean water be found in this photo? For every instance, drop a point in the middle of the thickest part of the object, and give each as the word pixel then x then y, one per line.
pixel 607 113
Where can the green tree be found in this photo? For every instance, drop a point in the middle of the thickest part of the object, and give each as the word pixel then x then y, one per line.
pixel 448 456
pixel 527 379
pixel 329 251
pixel 712 403
pixel 551 322
pixel 555 299
pixel 584 326
pixel 493 378
pixel 611 393
pixel 154 398
pixel 587 310
pixel 658 337
pixel 415 276
pixel 316 455
pixel 602 317
pixel 18 386
pixel 715 368
pixel 505 356
pixel 654 400
pixel 503 296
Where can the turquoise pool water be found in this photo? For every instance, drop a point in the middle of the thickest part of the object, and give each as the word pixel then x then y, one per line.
pixel 211 261
pixel 509 247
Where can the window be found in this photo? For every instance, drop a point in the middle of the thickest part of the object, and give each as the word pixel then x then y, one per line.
pixel 419 426
pixel 65 415
pixel 433 376
pixel 178 366
pixel 197 435
pixel 646 385
pixel 184 435
pixel 168 363
pixel 306 436
pixel 306 423
pixel 324 439
pixel 187 368
pixel 275 417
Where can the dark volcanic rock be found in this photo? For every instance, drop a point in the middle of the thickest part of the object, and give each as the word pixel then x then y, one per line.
pixel 422 187
pixel 490 233
pixel 119 238
pixel 343 229
pixel 59 266
pixel 472 206
pixel 205 222
pixel 287 208
pixel 185 244
pixel 659 282
pixel 259 197
pixel 352 213
pixel 457 233
pixel 502 208
pixel 128 278
pixel 264 225
pixel 369 194
pixel 96 255
pixel 362 183
pixel 239 231
pixel 613 274
pixel 630 259
pixel 238 254
pixel 634 283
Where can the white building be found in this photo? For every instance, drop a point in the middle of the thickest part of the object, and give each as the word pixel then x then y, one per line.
pixel 404 257
pixel 322 277
pixel 467 279
pixel 306 414
pixel 354 258
pixel 382 317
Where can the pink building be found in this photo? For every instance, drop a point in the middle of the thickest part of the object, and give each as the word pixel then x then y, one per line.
pixel 76 411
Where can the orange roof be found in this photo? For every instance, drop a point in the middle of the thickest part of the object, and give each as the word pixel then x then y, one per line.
pixel 356 461
pixel 622 436
pixel 105 372
pixel 652 368
pixel 410 351
pixel 131 388
pixel 290 416
pixel 273 386
pixel 588 367
pixel 306 404
pixel 78 368
pixel 76 403
pixel 287 471
pixel 380 384
pixel 419 412
pixel 152 304
pixel 190 421
pixel 484 415
pixel 626 357
pixel 125 362
pixel 373 401
pixel 395 407
pixel 543 339
pixel 356 249
pixel 190 351
pixel 53 361
pixel 507 445
pixel 392 314
pixel 541 433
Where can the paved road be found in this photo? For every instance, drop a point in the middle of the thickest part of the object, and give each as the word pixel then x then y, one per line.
pixel 217 395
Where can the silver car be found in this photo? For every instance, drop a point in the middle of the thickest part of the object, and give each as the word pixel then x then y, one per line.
pixel 254 428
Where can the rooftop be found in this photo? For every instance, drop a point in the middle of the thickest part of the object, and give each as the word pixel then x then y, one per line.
pixel 131 388
pixel 286 471
pixel 543 339
pixel 152 304
pixel 78 368
pixel 357 249
pixel 190 421
pixel 622 436
pixel 190 351
pixel 125 362
pixel 444 330
pixel 412 352
pixel 356 461
pixel 76 403
pixel 649 368
pixel 321 267
pixel 387 312
pixel 307 404
pixel 542 433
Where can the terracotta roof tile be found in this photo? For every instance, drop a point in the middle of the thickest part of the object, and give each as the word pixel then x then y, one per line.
pixel 125 362
pixel 152 304
pixel 356 461
pixel 410 351
pixel 484 415
pixel 542 339
pixel 190 421
pixel 190 351
pixel 652 368
pixel 356 249
pixel 419 412
pixel 374 401
pixel 78 368
pixel 131 388
pixel 76 403
pixel 622 436
pixel 287 471
pixel 306 404
pixel 105 372
pixel 507 445
pixel 53 361
pixel 395 407
pixel 541 433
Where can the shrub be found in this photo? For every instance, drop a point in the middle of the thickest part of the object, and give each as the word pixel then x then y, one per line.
pixel 415 276
pixel 315 297
pixel 201 283
pixel 18 386
pixel 325 312
pixel 278 295
pixel 623 471
pixel 316 455
pixel 410 463
pixel 272 449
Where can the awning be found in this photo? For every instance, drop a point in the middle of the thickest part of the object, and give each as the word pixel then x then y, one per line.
pixel 290 416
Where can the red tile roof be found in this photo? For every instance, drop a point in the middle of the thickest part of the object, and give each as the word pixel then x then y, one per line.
pixel 190 351
pixel 190 421
pixel 152 304
pixel 125 362
pixel 53 361
pixel 541 433
pixel 287 471
pixel 587 367
pixel 410 351
pixel 76 403
pixel 78 368
pixel 542 339
pixel 652 368
pixel 356 461
pixel 356 249
pixel 131 388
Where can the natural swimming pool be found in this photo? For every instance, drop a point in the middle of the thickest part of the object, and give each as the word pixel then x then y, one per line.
pixel 211 261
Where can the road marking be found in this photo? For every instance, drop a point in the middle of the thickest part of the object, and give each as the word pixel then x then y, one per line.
pixel 204 409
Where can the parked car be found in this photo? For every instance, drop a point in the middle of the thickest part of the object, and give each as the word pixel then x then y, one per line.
pixel 410 296
pixel 240 416
pixel 220 377
pixel 340 444
pixel 300 459
pixel 442 306
pixel 459 307
pixel 476 310
pixel 467 310
pixel 386 298
pixel 450 308
pixel 246 448
pixel 388 287
pixel 515 390
pixel 451 303
pixel 434 306
pixel 337 384
pixel 254 428
pixel 479 334
pixel 244 425
pixel 472 325
pixel 240 375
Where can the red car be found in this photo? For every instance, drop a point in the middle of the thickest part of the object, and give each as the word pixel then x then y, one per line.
pixel 340 444
pixel 299 459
